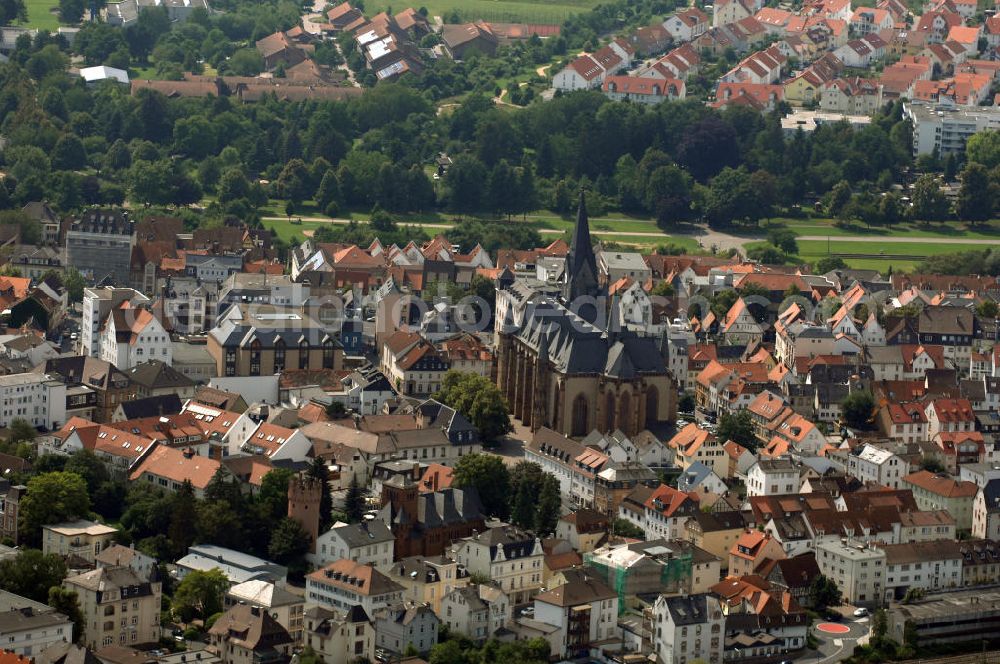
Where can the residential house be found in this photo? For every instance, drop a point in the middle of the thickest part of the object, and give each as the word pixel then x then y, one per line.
pixel 750 550
pixel 340 636
pixel 939 492
pixel 688 627
pixel 874 464
pixel 476 611
pixel 81 539
pixel 345 583
pixel 642 90
pixel 584 610
pixel 693 444
pixel 986 512
pixel 510 557
pixel 770 477
pixel 866 20
pixel 731 11
pixel 406 625
pixel 168 468
pixel 905 422
pixel 590 70
pixel 28 627
pixel 715 532
pixel 368 542
pixel 120 606
pixel 666 510
pixel 247 633
pixel 926 566
pixel 584 529
pixel 426 581
pixel 858 570
pixel 287 608
pixel 686 24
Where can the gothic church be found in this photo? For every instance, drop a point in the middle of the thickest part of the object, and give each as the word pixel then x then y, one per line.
pixel 564 363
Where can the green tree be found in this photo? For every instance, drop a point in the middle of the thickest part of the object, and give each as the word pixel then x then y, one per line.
pixel 465 182
pixel 336 410
pixel 929 202
pixel 319 470
pixel 294 181
pixel 838 198
pixel 976 194
pixel 354 502
pixel 12 10
pixel 625 528
pixel 199 594
pixel 987 309
pixel 52 498
pixel 784 240
pixel 220 524
pixel 31 573
pixel 69 153
pixel 829 264
pixel 738 428
pixel 233 185
pixel 984 148
pixel 824 592
pixel 479 400
pixel 488 475
pixel 195 136
pixel 183 515
pixel 86 464
pixel 20 430
pixel 273 494
pixel 74 283
pixel 549 505
pixel 289 543
pixel 245 62
pixel 67 602
pixel 858 408
pixel 526 484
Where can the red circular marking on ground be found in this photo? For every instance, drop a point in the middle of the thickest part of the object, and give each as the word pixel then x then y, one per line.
pixel 833 628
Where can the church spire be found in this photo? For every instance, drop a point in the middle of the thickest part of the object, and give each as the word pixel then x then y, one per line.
pixel 581 265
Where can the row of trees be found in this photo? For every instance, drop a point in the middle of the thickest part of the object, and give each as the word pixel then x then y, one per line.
pixel 165 524
pixel 524 495
pixel 76 145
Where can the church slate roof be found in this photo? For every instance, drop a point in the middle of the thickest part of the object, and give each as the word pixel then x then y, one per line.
pixel 578 347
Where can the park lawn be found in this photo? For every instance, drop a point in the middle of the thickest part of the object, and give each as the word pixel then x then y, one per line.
pixel 826 227
pixel 40 16
pixel 503 11
pixel 286 231
pixel 818 248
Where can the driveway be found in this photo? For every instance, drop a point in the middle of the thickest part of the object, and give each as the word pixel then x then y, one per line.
pixel 511 446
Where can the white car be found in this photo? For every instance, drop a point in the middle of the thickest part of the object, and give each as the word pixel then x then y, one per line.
pixel 860 613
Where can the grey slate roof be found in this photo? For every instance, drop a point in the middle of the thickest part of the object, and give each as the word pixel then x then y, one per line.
pixel 688 610
pixel 991 492
pixel 577 347
pixel 164 404
pixel 365 533
pixel 693 476
pixel 155 375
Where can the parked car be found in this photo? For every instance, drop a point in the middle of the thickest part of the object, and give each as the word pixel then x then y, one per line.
pixel 860 612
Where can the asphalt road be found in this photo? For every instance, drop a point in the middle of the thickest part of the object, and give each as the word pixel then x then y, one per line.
pixel 835 647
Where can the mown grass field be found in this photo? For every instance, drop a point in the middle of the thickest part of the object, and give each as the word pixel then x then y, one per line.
pixel 812 250
pixel 503 11
pixel 40 15
pixel 826 227
pixel 610 229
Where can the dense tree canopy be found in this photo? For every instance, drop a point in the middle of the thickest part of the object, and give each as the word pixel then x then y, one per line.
pixel 487 474
pixel 479 400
